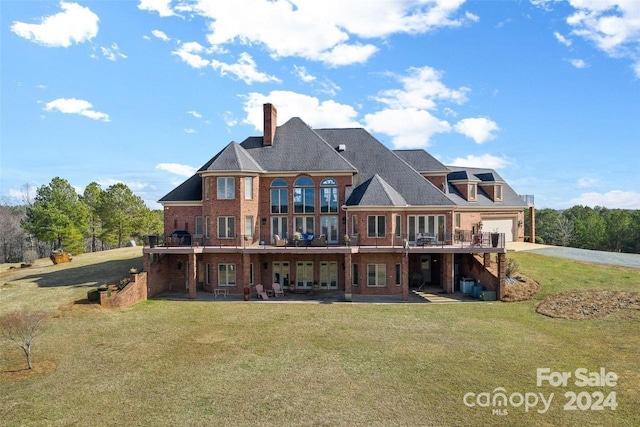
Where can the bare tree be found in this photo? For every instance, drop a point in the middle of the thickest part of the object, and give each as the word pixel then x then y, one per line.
pixel 22 327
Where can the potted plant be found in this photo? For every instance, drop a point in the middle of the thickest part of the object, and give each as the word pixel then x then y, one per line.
pixel 495 238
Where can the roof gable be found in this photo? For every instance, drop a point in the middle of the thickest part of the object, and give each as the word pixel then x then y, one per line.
pixel 232 158
pixel 376 192
pixel 296 148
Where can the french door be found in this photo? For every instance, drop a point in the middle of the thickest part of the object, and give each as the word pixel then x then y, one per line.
pixel 279 226
pixel 280 271
pixel 304 275
pixel 329 226
pixel 426 224
pixel 329 275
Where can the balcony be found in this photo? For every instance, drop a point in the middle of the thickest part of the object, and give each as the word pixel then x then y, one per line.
pixel 461 241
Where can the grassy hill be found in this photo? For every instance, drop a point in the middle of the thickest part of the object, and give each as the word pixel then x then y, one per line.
pixel 237 363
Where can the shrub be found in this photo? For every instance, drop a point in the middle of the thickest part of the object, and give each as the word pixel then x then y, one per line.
pixel 512 267
pixel 29 256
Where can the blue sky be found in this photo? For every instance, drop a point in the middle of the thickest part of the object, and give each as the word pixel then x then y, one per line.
pixel 145 92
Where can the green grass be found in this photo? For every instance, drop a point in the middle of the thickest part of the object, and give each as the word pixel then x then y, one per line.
pixel 215 363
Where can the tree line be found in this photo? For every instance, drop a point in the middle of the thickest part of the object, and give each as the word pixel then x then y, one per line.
pixel 59 218
pixel 599 228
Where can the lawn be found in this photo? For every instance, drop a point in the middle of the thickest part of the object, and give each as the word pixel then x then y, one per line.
pixel 236 363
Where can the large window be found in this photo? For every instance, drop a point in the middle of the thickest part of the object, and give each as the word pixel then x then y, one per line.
pixel 226 274
pixel 226 227
pixel 376 225
pixel 304 195
pixel 329 195
pixel 377 275
pixel 248 188
pixel 248 226
pixel 279 196
pixel 305 224
pixel 199 227
pixel 432 225
pixel 398 232
pixel 226 187
pixel 304 274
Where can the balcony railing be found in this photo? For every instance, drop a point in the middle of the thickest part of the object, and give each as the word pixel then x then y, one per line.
pixel 460 238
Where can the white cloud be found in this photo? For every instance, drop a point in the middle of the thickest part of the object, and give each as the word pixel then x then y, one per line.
pixel 190 131
pixel 614 199
pixel 562 39
pixel 177 169
pixel 229 119
pixel 346 54
pixel 587 182
pixel 321 31
pixel 471 17
pixel 112 53
pixel 161 7
pixel 160 35
pixel 195 114
pixel 408 128
pixel 291 104
pixel 302 74
pixel 245 69
pixel 483 161
pixel 75 24
pixel 421 87
pixel 189 53
pixel 108 182
pixel 612 25
pixel 480 129
pixel 578 63
pixel 76 106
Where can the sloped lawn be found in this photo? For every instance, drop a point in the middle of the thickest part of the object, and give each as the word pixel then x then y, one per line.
pixel 227 363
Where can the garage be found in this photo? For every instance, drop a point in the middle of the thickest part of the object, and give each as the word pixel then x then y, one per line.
pixel 501 225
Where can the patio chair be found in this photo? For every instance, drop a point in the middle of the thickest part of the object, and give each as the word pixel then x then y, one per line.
pixel 279 241
pixel 260 292
pixel 277 290
pixel 319 241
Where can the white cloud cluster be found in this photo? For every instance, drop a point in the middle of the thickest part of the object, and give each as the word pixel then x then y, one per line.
pixel 408 127
pixel 614 199
pixel 612 25
pixel 195 114
pixel 245 69
pixel 112 53
pixel 190 52
pixel 479 129
pixel 331 31
pixel 76 106
pixel 301 73
pixel 587 182
pixel 310 109
pixel 160 35
pixel 75 24
pixel 176 168
pixel 483 161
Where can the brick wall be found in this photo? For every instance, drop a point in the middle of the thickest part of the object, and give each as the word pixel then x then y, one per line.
pixel 133 293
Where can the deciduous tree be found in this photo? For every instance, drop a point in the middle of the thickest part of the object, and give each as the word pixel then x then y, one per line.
pixel 22 327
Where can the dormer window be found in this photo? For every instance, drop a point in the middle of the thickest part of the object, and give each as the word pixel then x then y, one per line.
pixel 473 191
pixel 498 193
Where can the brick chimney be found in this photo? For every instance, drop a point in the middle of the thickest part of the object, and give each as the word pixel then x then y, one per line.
pixel 270 123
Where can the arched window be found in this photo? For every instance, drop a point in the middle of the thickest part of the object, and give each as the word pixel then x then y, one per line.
pixel 304 195
pixel 329 196
pixel 279 196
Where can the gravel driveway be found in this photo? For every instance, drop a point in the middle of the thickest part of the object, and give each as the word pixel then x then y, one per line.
pixel 613 258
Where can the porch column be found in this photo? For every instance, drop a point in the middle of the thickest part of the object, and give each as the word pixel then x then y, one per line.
pixel 405 276
pixel 487 260
pixel 447 274
pixel 246 271
pixel 502 275
pixel 532 224
pixel 193 275
pixel 347 276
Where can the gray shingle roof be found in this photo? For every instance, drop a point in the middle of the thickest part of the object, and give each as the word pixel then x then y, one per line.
pixel 509 197
pixel 421 161
pixel 188 191
pixel 296 148
pixel 371 157
pixel 376 192
pixel 232 158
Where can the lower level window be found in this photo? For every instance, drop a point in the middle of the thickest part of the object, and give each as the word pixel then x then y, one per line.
pixel 226 274
pixel 376 275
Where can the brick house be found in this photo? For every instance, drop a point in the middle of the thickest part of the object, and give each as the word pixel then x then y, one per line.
pixel 332 209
